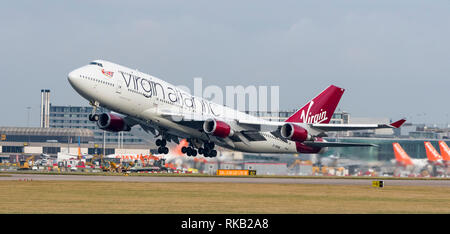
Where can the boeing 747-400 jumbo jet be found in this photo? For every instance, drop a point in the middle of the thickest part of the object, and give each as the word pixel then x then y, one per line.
pixel 168 112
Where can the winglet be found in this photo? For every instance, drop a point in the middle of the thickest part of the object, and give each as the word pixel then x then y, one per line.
pixel 398 123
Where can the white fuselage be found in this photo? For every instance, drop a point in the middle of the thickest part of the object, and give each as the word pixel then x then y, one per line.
pixel 148 98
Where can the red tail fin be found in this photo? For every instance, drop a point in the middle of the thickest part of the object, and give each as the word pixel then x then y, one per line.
pixel 432 154
pixel 320 109
pixel 400 155
pixel 445 151
pixel 398 124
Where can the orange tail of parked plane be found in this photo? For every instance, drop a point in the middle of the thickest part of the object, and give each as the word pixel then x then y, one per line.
pixel 432 153
pixel 445 151
pixel 401 156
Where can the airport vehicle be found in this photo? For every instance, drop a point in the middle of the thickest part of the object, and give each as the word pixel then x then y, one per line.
pixel 25 164
pixel 168 112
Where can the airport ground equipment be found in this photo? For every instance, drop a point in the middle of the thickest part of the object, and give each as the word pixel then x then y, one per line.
pixel 25 165
pixel 378 183
pixel 234 172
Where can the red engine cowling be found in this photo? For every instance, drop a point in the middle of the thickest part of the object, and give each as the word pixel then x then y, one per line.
pixel 217 128
pixel 295 133
pixel 112 123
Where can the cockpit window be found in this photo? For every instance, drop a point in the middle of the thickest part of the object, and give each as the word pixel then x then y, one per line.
pixel 97 64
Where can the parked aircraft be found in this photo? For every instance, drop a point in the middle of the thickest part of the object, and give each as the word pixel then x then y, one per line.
pixel 404 160
pixel 445 152
pixel 433 156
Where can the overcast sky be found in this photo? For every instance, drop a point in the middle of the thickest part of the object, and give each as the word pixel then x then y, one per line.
pixel 392 57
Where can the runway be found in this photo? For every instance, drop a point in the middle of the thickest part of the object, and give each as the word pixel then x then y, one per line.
pixel 257 180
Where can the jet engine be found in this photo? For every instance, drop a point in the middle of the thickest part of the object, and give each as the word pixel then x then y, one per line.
pixel 217 128
pixel 111 122
pixel 294 132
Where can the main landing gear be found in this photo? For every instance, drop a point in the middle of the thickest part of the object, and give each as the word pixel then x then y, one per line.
pixel 207 150
pixel 162 149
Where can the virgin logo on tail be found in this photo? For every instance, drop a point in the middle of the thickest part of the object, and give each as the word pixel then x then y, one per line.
pixel 320 109
pixel 317 118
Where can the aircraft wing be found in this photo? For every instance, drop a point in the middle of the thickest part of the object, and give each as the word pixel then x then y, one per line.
pixel 268 125
pixel 183 117
pixel 256 125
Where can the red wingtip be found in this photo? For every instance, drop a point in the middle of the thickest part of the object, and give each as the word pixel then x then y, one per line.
pixel 398 124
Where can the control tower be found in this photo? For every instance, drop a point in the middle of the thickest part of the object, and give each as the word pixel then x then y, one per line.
pixel 45 108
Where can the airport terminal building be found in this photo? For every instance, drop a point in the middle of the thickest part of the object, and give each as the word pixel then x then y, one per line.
pixel 74 117
pixel 26 141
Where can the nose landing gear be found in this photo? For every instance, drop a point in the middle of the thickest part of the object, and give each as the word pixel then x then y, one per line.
pixel 93 116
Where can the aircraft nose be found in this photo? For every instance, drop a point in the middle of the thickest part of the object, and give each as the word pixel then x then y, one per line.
pixel 74 77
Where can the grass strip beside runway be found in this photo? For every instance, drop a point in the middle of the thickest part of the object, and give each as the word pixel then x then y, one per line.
pixel 89 197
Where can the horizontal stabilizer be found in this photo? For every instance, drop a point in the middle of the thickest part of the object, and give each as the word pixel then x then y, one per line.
pixel 337 144
pixel 356 127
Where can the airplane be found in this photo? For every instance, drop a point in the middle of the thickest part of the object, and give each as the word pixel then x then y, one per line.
pixel 433 156
pixel 402 159
pixel 445 152
pixel 166 111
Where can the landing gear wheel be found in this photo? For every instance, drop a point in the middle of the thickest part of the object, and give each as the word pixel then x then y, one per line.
pixel 190 151
pixel 208 149
pixel 163 150
pixel 93 117
pixel 210 153
pixel 161 143
pixel 183 150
